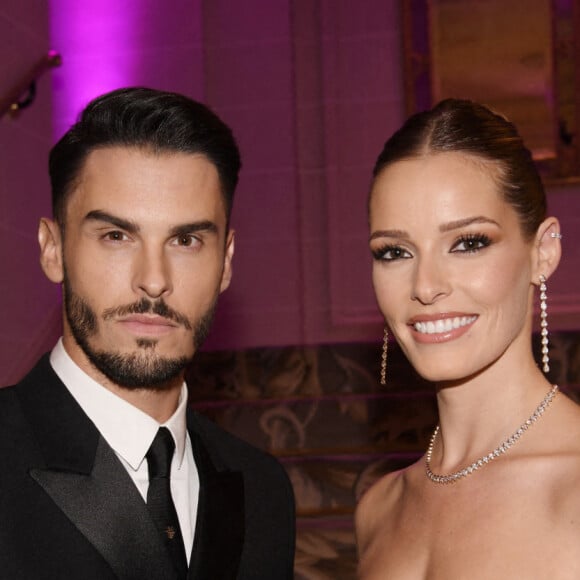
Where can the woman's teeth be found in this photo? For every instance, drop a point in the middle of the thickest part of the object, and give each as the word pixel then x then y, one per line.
pixel 445 325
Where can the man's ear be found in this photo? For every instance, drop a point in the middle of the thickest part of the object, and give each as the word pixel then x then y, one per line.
pixel 229 254
pixel 50 241
pixel 547 249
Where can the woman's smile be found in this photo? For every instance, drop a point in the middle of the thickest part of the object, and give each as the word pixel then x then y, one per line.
pixel 440 328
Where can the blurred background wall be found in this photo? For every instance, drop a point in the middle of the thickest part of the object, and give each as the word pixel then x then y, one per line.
pixel 312 89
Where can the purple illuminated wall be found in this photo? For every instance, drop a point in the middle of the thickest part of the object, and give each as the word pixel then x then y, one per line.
pixel 29 306
pixel 311 89
pixel 107 44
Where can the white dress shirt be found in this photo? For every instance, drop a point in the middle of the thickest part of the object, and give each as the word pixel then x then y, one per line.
pixel 130 432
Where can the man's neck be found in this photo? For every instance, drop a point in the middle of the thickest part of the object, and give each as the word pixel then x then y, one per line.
pixel 157 403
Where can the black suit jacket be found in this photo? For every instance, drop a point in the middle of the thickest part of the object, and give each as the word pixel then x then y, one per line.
pixel 68 508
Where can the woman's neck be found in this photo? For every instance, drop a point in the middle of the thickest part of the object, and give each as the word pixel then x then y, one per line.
pixel 478 413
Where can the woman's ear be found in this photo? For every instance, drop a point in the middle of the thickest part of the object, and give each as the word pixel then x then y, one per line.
pixel 50 242
pixel 547 249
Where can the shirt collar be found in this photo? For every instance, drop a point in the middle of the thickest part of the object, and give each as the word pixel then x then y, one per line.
pixel 128 430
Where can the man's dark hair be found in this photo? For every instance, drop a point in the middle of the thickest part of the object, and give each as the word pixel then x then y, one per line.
pixel 148 119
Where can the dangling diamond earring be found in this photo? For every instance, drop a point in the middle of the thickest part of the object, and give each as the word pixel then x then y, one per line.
pixel 384 357
pixel 544 324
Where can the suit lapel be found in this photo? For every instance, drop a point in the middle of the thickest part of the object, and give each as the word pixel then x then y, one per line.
pixel 87 482
pixel 110 513
pixel 219 532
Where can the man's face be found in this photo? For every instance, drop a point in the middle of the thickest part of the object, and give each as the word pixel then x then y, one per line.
pixel 143 260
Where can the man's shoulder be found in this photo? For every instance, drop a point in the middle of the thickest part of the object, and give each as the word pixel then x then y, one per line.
pixel 214 434
pixel 39 372
pixel 9 404
pixel 40 380
pixel 232 446
pixel 9 395
pixel 17 438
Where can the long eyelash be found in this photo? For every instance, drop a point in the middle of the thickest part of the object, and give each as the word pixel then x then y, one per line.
pixel 380 252
pixel 482 239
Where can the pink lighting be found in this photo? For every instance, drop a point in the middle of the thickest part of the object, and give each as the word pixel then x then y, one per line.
pixel 100 49
pixel 108 44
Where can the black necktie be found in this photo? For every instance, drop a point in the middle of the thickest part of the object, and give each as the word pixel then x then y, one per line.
pixel 159 499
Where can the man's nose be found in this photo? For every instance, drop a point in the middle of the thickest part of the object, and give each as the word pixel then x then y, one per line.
pixel 152 273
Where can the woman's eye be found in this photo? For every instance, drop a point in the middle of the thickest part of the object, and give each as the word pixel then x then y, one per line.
pixel 391 253
pixel 471 243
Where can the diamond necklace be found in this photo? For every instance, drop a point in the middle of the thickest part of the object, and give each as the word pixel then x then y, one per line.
pixel 453 477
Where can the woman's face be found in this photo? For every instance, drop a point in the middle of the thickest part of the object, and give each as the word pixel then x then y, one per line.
pixel 451 270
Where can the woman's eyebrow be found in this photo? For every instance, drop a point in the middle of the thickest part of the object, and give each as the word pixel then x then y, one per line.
pixel 456 224
pixel 388 234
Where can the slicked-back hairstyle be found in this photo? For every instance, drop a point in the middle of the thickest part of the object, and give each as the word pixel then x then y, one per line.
pixel 148 119
pixel 463 126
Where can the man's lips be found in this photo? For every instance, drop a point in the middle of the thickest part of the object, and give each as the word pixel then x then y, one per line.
pixel 150 325
pixel 441 327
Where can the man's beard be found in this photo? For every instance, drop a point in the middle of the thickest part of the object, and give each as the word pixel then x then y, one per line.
pixel 138 370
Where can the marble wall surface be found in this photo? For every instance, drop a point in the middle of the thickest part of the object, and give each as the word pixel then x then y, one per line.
pixel 323 413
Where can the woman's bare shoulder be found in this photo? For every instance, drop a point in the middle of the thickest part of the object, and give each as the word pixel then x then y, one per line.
pixel 381 500
pixel 377 493
pixel 372 508
pixel 554 463
pixel 565 428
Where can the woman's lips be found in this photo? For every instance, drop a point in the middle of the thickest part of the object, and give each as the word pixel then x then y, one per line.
pixel 441 328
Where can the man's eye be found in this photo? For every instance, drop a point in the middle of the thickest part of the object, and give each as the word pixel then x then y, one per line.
pixel 187 241
pixel 115 236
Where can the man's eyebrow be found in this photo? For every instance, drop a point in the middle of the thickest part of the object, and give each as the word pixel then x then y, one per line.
pixel 194 227
pixel 103 216
pixel 388 234
pixel 454 225
pixel 132 228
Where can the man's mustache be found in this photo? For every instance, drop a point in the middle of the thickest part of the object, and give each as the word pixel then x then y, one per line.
pixel 146 306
